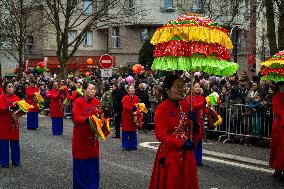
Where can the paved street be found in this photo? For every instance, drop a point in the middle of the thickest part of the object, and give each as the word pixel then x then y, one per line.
pixel 47 163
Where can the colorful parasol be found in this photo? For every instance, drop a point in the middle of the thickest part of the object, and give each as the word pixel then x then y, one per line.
pixel 274 68
pixel 193 43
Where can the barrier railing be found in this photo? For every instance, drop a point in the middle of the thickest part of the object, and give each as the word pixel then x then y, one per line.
pixel 68 109
pixel 244 121
pixel 223 128
pixel 238 120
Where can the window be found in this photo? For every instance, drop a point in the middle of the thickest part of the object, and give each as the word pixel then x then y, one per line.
pixel 88 39
pixel 88 7
pixel 73 5
pixel 196 6
pixel 71 36
pixel 130 3
pixel 168 4
pixel 115 37
pixel 144 34
pixel 30 44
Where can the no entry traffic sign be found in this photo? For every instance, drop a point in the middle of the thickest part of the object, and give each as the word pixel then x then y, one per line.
pixel 105 61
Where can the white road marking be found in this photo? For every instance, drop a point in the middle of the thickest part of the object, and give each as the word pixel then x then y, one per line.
pixel 238 164
pixel 235 157
pixel 222 155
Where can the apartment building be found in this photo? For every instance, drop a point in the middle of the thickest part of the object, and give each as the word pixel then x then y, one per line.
pixel 124 39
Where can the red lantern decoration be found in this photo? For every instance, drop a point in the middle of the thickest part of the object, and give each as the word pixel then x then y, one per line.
pixel 87 74
pixel 137 68
pixel 81 70
pixel 251 59
pixel 90 61
pixel 27 71
pixel 41 65
pixel 47 70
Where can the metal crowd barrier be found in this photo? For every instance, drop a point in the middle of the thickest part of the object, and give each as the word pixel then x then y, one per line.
pixel 242 121
pixel 238 120
pixel 68 109
pixel 221 129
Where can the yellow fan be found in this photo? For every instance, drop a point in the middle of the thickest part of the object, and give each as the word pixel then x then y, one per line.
pixel 141 107
pixel 96 126
pixel 25 107
pixel 39 99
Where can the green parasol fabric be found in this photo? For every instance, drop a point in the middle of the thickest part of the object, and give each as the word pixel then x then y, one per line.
pixel 210 65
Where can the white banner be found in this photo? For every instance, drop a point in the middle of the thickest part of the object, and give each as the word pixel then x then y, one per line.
pixel 106 72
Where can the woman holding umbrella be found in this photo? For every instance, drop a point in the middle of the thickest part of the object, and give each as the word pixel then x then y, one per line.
pixel 273 70
pixel 277 138
pixel 174 166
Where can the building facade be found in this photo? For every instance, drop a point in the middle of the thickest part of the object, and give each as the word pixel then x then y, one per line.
pixel 124 39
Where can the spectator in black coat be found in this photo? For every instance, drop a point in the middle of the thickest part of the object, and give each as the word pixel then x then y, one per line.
pixel 143 96
pixel 117 95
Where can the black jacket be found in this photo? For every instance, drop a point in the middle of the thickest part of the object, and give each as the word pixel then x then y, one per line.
pixel 117 96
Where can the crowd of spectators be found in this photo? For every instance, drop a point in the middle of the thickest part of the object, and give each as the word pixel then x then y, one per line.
pixel 237 89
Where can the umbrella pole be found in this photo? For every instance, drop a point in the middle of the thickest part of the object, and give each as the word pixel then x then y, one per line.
pixel 191 103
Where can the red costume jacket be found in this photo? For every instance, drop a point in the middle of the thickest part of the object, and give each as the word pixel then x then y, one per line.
pixel 127 119
pixel 277 138
pixel 84 144
pixel 173 167
pixel 1 91
pixel 30 98
pixel 9 129
pixel 56 103
pixel 73 96
pixel 198 106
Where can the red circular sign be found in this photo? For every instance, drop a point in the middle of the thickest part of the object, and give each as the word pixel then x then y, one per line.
pixel 105 61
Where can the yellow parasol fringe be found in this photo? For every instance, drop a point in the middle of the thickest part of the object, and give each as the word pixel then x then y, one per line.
pixel 192 34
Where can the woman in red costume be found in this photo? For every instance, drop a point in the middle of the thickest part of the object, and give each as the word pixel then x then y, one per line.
pixel 277 138
pixel 128 125
pixel 32 115
pixel 198 106
pixel 175 165
pixel 85 146
pixel 56 108
pixel 9 127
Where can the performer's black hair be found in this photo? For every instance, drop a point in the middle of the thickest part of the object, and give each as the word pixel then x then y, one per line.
pixel 168 83
pixel 85 85
pixel 5 85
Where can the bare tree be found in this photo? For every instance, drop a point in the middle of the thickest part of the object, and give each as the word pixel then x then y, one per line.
pixel 275 43
pixel 68 15
pixel 17 22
